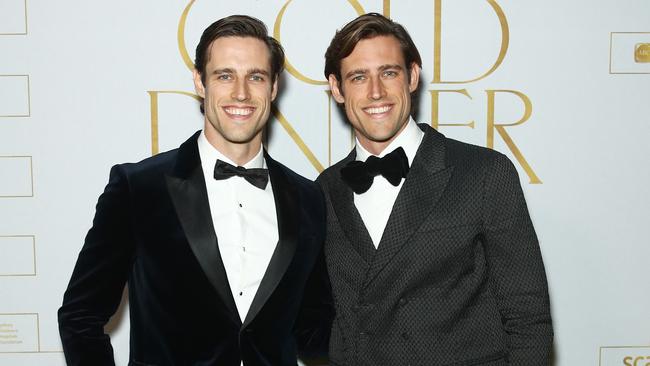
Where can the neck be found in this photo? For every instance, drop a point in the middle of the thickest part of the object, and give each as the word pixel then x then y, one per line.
pixel 376 147
pixel 239 153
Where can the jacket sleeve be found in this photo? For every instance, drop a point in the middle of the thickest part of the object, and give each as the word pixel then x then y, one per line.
pixel 515 267
pixel 95 289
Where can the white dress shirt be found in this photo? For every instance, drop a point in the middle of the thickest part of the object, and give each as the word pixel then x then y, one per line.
pixel 245 222
pixel 376 204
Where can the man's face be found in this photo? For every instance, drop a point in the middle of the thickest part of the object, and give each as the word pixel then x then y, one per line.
pixel 237 92
pixel 376 90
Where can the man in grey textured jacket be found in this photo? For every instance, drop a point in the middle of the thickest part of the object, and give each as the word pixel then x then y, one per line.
pixel 430 249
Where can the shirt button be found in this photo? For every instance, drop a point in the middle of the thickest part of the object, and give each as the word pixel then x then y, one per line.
pixel 240 205
pixel 241 293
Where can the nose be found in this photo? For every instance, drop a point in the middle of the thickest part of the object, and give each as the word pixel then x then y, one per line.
pixel 240 90
pixel 376 89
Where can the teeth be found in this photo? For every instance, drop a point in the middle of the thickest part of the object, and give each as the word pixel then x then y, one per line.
pixel 377 110
pixel 239 111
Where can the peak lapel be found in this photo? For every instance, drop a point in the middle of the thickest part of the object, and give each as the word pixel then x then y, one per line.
pixel 424 184
pixel 348 216
pixel 287 207
pixel 188 193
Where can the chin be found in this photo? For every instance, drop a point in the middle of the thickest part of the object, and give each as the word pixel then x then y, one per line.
pixel 240 139
pixel 383 136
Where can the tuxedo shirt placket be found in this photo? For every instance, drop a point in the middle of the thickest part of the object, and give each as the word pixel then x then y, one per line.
pixel 254 246
pixel 376 204
pixel 245 222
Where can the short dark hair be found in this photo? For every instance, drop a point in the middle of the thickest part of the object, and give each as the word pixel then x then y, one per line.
pixel 238 26
pixel 364 27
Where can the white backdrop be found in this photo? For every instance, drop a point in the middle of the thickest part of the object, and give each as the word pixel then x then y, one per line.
pixel 85 85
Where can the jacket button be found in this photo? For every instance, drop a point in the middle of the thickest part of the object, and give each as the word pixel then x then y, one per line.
pixel 406 336
pixel 402 301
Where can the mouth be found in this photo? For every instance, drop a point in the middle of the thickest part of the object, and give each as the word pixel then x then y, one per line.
pixel 238 112
pixel 378 111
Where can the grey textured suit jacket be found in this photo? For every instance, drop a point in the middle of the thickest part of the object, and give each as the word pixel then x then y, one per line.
pixel 457 278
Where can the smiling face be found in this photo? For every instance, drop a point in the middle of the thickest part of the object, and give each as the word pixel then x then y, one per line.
pixel 237 92
pixel 376 89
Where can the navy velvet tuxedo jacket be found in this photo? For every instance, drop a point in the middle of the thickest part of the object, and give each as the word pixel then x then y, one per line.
pixel 457 278
pixel 153 229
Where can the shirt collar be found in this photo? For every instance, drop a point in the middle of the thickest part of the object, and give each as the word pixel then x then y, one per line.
pixel 209 155
pixel 409 139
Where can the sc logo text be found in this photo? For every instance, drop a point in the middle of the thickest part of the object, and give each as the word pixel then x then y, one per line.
pixel 636 361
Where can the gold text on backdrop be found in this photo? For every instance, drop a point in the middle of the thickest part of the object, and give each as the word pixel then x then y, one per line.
pixel 153 103
pixel 636 361
pixel 437 44
pixel 491 124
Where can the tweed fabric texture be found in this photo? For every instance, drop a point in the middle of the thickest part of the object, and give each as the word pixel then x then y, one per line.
pixel 457 278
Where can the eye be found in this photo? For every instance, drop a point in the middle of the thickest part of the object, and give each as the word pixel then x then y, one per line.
pixel 256 77
pixel 390 73
pixel 358 78
pixel 224 77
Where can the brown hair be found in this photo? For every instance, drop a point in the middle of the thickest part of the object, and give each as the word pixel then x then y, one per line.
pixel 238 26
pixel 364 27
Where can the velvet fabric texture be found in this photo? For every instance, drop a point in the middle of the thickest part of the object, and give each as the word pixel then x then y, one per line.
pixel 457 278
pixel 153 230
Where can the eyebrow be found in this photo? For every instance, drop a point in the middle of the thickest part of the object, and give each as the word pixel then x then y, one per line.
pixel 258 71
pixel 223 71
pixel 228 70
pixel 380 68
pixel 387 67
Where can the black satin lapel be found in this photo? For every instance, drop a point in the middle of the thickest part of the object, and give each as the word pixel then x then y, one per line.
pixel 287 208
pixel 350 220
pixel 424 184
pixel 192 208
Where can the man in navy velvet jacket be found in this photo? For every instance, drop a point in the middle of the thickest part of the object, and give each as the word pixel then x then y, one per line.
pixel 220 245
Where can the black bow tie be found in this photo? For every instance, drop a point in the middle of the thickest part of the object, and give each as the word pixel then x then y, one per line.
pixel 256 176
pixel 360 175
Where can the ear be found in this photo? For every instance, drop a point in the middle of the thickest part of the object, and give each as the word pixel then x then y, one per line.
pixel 198 84
pixel 274 88
pixel 415 77
pixel 335 88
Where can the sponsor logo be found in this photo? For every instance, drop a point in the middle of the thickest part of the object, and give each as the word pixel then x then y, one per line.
pixel 642 53
pixel 624 356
